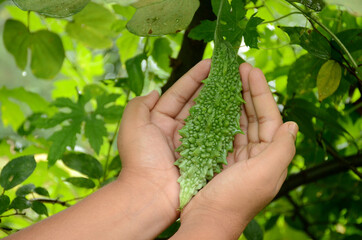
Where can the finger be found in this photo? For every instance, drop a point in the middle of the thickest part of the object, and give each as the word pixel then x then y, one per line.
pixel 267 113
pixel 172 102
pixel 137 112
pixel 242 139
pixel 250 114
pixel 281 150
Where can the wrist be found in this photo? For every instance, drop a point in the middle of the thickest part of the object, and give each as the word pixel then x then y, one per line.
pixel 145 208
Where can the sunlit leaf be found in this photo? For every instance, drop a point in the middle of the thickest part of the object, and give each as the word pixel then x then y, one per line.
pixel 52 8
pixel 16 40
pixel 47 50
pixel 84 163
pixel 16 171
pixel 329 77
pixel 39 208
pixel 168 16
pixel 93 26
pixel 81 182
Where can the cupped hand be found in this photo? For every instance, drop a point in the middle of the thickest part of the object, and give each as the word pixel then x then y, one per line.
pixel 148 137
pixel 257 167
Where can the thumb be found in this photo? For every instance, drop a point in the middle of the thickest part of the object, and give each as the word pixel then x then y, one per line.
pixel 281 150
pixel 137 112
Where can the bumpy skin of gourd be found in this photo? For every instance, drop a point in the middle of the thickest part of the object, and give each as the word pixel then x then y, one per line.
pixel 208 134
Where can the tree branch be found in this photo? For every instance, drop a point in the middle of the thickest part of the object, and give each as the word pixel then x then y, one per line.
pixel 51 201
pixel 191 51
pixel 318 172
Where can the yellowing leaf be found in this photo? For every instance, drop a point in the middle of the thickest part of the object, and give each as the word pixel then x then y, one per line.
pixel 328 79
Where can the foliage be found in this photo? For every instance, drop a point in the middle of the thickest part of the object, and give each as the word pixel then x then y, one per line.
pixel 66 81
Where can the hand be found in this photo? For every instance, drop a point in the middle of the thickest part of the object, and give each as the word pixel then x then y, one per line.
pixel 148 138
pixel 255 171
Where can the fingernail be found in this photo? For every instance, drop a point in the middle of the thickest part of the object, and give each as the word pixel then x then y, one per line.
pixel 293 129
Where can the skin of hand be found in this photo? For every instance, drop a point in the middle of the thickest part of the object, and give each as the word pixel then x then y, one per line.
pixel 255 172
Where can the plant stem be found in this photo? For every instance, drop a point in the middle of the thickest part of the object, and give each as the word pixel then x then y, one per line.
pixel 314 19
pixel 277 19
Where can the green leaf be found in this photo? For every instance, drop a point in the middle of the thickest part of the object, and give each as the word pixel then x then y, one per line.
pixel 41 191
pixel 66 137
pixel 253 231
pixel 93 26
pixel 81 182
pixel 4 203
pixel 25 190
pixel 135 73
pixel 66 103
pixel 39 208
pixel 161 53
pixel 16 171
pixel 116 164
pixel 165 17
pixel 328 79
pixel 303 74
pixel 95 130
pixel 52 8
pixel 16 40
pixel 270 223
pixel 204 31
pixel 251 34
pixel 316 5
pixel 351 39
pixel 20 203
pixel 47 50
pixel 310 40
pixel 84 163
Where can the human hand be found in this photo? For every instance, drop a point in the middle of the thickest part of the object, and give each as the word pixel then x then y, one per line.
pixel 148 138
pixel 255 171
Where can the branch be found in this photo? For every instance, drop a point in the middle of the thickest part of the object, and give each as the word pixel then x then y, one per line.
pixel 51 201
pixel 191 51
pixel 318 172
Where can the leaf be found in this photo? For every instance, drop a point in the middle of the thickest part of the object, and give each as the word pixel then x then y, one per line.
pixel 16 171
pixel 4 203
pixel 135 73
pixel 20 203
pixel 165 17
pixel 253 231
pixel 81 182
pixel 25 190
pixel 52 8
pixel 303 74
pixel 47 50
pixel 329 77
pixel 204 31
pixel 170 231
pixel 251 34
pixel 95 130
pixel 66 137
pixel 39 208
pixel 161 53
pixel 127 45
pixel 351 39
pixel 310 40
pixel 93 26
pixel 41 191
pixel 16 40
pixel 115 164
pixel 316 5
pixel 270 223
pixel 84 163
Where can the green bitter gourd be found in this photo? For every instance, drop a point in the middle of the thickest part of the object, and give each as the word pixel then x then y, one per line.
pixel 209 130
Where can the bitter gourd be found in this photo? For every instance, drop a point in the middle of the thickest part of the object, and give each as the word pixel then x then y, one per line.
pixel 209 130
